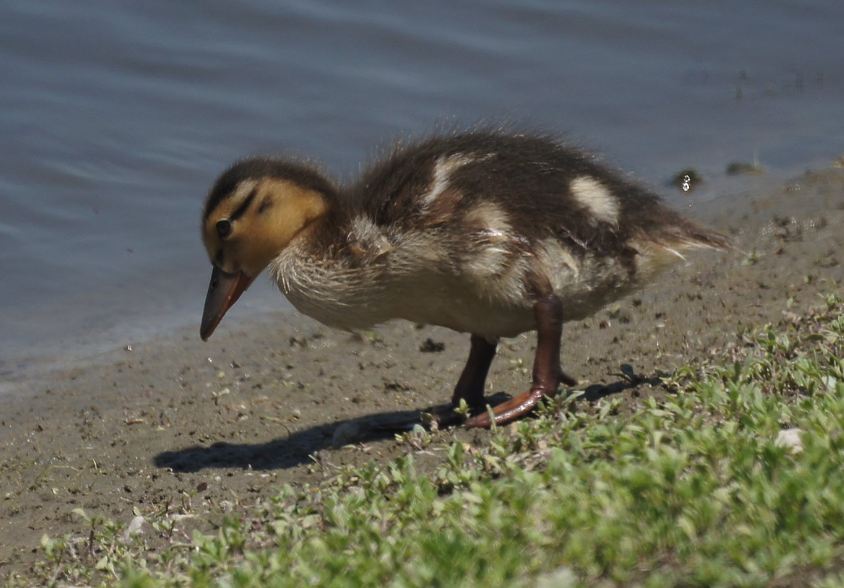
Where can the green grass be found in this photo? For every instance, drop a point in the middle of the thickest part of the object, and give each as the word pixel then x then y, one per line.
pixel 690 490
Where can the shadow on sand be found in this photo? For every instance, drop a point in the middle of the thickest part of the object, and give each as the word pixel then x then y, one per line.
pixel 298 447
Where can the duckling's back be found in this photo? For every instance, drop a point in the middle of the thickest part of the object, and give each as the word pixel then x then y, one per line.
pixel 467 231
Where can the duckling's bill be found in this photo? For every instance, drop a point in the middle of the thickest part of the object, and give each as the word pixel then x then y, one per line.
pixel 223 292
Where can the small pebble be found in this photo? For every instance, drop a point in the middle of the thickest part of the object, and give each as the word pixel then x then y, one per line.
pixel 135 528
pixel 431 346
pixel 560 578
pixel 790 439
pixel 347 434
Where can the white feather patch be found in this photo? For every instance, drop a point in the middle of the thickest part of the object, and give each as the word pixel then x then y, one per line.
pixel 443 169
pixel 593 195
pixel 492 220
pixel 492 228
pixel 365 232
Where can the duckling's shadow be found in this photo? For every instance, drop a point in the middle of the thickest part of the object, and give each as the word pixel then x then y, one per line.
pixel 281 453
pixel 298 447
pixel 596 392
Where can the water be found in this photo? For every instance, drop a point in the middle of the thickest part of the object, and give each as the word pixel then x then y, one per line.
pixel 115 118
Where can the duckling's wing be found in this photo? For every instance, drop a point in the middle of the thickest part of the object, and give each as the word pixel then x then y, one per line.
pixel 515 209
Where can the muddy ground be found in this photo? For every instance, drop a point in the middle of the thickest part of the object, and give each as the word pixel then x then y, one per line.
pixel 273 400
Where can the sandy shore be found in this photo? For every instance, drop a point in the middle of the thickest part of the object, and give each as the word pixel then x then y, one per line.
pixel 267 399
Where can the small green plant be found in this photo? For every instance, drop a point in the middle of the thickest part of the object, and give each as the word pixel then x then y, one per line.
pixel 751 259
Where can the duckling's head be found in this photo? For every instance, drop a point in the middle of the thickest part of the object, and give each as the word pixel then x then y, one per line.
pixel 253 211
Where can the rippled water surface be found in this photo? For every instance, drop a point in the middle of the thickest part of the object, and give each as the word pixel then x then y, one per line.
pixel 115 117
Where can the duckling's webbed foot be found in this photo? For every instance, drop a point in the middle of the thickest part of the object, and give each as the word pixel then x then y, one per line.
pixel 547 373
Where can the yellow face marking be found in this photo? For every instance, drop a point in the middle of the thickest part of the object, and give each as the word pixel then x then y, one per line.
pixel 225 209
pixel 277 212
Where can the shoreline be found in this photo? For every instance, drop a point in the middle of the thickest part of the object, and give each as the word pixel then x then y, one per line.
pixel 273 398
pixel 37 359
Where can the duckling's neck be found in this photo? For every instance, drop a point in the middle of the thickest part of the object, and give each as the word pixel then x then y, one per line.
pixel 328 274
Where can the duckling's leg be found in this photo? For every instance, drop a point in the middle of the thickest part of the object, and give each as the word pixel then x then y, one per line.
pixel 470 386
pixel 547 373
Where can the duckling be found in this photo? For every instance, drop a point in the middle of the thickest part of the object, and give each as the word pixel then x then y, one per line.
pixel 484 232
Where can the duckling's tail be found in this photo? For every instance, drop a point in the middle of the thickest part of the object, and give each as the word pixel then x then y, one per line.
pixel 690 236
pixel 658 252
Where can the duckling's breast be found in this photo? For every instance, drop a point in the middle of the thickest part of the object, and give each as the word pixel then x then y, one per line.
pixel 472 282
pixel 329 286
pixel 477 276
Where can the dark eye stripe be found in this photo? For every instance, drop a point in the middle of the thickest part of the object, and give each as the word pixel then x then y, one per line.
pixel 224 228
pixel 244 205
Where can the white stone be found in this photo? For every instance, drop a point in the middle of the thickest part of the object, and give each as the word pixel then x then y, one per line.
pixel 790 439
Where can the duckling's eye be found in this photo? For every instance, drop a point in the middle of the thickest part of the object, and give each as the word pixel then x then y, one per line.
pixel 224 228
